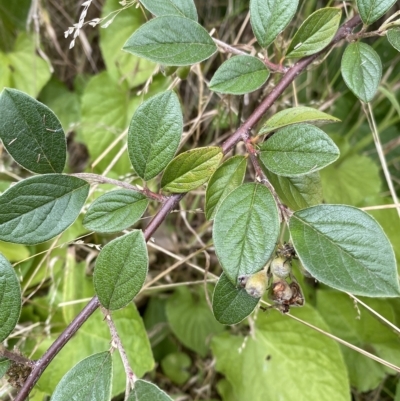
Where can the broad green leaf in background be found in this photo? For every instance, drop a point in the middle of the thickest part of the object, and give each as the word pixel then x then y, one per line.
pixel 359 327
pixel 183 8
pixel 361 70
pixel 171 40
pixel 315 32
pixel 146 391
pixel 191 320
pixel 154 134
pixel 345 248
pixel 297 192
pixel 115 210
pixel 296 115
pixel 393 36
pixel 121 269
pixel 4 365
pixel 231 304
pixel 10 298
pixel 191 169
pixel 246 228
pixel 31 133
pixel 371 10
pixel 298 149
pixel 176 367
pixel 14 252
pixel 239 75
pixel 269 18
pixel 90 379
pixel 39 208
pixel 281 351
pixel 228 176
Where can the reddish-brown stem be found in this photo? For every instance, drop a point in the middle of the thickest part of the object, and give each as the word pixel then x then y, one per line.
pixel 12 356
pixel 173 201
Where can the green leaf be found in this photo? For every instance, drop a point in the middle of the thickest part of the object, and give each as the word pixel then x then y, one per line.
pixel 315 32
pixel 4 365
pixel 10 298
pixel 371 10
pixel 154 134
pixel 228 176
pixel 246 229
pixel 175 366
pixel 239 75
pixel 90 379
pixel 121 269
pixel 393 36
pixel 346 249
pixel 182 8
pixel 231 304
pixel 297 192
pixel 269 18
pixel 171 40
pixel 115 210
pixel 31 133
pixel 14 252
pixel 146 391
pixel 191 320
pixel 41 207
pixel 361 70
pixel 191 169
pixel 283 360
pixel 298 149
pixel 296 115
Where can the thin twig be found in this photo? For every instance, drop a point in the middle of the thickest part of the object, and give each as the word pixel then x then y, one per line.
pixel 17 358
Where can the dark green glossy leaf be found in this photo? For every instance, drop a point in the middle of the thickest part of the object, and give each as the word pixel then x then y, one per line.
pixel 183 8
pixel 393 36
pixel 371 10
pixel 154 134
pixel 31 133
pixel 39 208
pixel 345 248
pixel 115 210
pixel 146 391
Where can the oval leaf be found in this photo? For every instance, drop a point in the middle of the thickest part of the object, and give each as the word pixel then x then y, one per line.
pixel 39 208
pixel 361 70
pixel 269 18
pixel 228 176
pixel 10 298
pixel 239 75
pixel 4 365
pixel 31 133
pixel 191 169
pixel 315 32
pixel 183 8
pixel 154 134
pixel 90 379
pixel 346 249
pixel 146 391
pixel 120 270
pixel 297 150
pixel 296 115
pixel 371 10
pixel 171 40
pixel 231 304
pixel 246 229
pixel 115 211
pixel 393 36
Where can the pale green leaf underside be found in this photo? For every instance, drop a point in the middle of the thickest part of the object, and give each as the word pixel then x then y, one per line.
pixel 183 8
pixel 296 115
pixel 228 176
pixel 298 149
pixel 39 208
pixel 239 75
pixel 154 134
pixel 146 391
pixel 31 133
pixel 231 304
pixel 4 365
pixel 90 380
pixel 115 210
pixel 10 298
pixel 246 228
pixel 171 40
pixel 345 248
pixel 315 32
pixel 393 36
pixel 269 18
pixel 361 70
pixel 371 10
pixel 121 270
pixel 191 169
